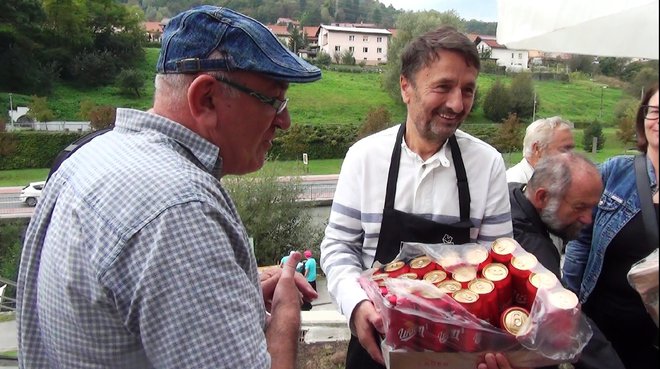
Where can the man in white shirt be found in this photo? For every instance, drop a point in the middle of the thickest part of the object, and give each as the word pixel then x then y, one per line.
pixel 421 181
pixel 543 137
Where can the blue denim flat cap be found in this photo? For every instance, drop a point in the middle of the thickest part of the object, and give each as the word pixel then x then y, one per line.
pixel 243 43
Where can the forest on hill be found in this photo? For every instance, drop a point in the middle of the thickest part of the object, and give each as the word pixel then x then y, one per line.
pixel 307 12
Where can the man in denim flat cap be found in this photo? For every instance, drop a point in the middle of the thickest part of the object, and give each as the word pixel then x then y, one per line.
pixel 136 256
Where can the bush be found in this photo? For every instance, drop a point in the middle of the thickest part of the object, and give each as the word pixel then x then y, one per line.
pixel 323 58
pixel 102 116
pixel 11 239
pixel 130 82
pixel 594 130
pixel 271 213
pixel 497 102
pixel 509 135
pixel 491 67
pixel 347 58
pixel 522 95
pixel 377 120
pixel 93 69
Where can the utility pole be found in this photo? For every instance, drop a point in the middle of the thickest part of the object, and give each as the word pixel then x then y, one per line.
pixel 534 111
pixel 11 110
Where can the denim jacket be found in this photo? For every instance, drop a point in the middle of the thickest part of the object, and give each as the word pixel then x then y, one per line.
pixel 618 204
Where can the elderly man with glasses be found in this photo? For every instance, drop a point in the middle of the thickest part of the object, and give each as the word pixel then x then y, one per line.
pixel 136 256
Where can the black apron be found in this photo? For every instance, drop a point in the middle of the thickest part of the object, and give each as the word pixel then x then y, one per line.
pixel 397 227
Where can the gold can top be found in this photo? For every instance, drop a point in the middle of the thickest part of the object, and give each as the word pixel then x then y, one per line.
pixel 495 272
pixel 464 274
pixel 379 278
pixel 545 280
pixel 481 286
pixel 394 266
pixel 504 245
pixel 465 296
pixel 476 255
pixel 420 262
pixel 450 259
pixel 449 286
pixel 435 276
pixel 408 276
pixel 513 319
pixel 563 299
pixel 524 261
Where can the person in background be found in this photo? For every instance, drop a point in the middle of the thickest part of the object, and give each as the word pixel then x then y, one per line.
pixel 310 268
pixel 558 199
pixel 136 256
pixel 309 271
pixel 542 137
pixel 597 262
pixel 420 181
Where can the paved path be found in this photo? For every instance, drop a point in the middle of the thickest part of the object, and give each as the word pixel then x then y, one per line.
pixel 322 323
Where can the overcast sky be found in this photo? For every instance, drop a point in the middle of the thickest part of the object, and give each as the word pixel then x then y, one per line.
pixel 483 10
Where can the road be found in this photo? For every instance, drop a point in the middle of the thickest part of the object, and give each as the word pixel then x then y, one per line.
pixel 315 188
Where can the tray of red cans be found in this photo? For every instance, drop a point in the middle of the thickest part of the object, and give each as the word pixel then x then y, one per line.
pixel 471 299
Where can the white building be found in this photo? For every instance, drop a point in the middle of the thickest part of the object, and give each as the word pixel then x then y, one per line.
pixel 512 59
pixel 367 44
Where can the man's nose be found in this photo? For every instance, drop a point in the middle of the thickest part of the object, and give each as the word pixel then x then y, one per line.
pixel 455 100
pixel 283 120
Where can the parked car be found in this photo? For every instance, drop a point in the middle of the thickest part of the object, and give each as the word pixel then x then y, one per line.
pixel 31 193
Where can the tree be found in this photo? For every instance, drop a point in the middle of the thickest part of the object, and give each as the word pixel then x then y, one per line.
pixel 102 117
pixel 582 63
pixel 594 130
pixel 509 135
pixel 130 81
pixel 323 58
pixel 347 58
pixel 377 120
pixel 522 95
pixel 497 102
pixel 625 114
pixel 39 109
pixel 410 25
pixel 271 213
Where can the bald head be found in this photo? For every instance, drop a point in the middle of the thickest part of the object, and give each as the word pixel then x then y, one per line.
pixel 564 189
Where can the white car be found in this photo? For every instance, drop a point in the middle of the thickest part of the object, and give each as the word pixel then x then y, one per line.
pixel 31 193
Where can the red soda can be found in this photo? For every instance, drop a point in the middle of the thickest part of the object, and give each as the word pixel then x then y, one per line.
pixel 502 249
pixel 520 268
pixel 469 339
pixel 499 275
pixel 449 286
pixel 401 330
pixel 432 335
pixel 478 255
pixel 513 319
pixel 379 279
pixel 435 276
pixel 464 275
pixel 536 281
pixel 396 268
pixel 488 296
pixel 561 317
pixel 422 265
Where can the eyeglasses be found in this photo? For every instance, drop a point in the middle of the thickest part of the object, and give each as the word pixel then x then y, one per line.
pixel 278 105
pixel 650 112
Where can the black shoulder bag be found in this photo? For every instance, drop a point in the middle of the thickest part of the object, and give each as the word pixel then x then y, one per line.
pixel 646 200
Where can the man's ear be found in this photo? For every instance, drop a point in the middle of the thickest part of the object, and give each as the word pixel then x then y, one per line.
pixel 201 100
pixel 541 198
pixel 406 89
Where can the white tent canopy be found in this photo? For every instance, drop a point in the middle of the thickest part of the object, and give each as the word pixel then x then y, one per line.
pixel 618 28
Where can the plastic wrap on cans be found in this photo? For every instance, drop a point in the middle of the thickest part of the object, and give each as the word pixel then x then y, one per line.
pixel 478 255
pixel 422 316
pixel 643 277
pixel 469 338
pixel 545 280
pixel 520 268
pixel 464 275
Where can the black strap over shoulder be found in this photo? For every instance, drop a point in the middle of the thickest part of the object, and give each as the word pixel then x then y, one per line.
pixel 645 199
pixel 64 154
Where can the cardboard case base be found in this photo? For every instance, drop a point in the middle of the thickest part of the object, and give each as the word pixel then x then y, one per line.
pixel 401 359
